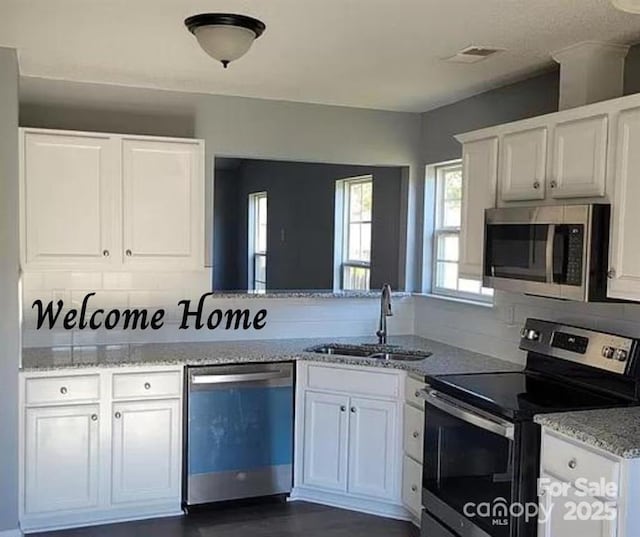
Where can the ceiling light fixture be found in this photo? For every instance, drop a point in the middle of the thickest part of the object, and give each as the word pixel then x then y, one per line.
pixel 631 6
pixel 225 36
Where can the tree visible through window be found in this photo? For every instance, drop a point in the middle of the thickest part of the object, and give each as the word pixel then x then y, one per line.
pixel 446 251
pixel 258 241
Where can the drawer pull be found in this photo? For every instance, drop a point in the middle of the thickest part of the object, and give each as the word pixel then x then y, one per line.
pixel 94 417
pixel 105 253
pixel 64 390
pixel 343 408
pixel 417 394
pixel 128 253
pixel 416 434
pixel 147 386
pixel 118 415
pixel 572 464
pixel 414 488
pixel 353 409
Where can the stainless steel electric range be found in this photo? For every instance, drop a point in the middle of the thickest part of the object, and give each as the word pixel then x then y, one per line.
pixel 481 444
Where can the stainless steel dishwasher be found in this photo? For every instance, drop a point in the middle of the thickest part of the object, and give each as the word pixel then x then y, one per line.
pixel 239 432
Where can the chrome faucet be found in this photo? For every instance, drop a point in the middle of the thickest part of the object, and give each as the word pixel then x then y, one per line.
pixel 385 311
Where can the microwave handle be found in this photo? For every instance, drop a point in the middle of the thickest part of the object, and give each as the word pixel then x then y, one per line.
pixel 551 235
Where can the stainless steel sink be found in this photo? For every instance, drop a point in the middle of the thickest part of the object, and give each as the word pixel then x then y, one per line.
pixel 373 351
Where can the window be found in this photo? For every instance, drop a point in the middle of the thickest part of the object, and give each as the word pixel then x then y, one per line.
pixel 354 201
pixel 446 237
pixel 258 242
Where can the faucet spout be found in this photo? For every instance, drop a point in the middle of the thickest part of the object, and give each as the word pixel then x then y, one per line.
pixel 385 311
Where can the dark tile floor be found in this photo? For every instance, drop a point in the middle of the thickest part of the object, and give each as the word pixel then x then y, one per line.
pixel 266 520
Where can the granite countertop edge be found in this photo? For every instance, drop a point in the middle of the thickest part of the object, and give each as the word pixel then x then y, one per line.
pixel 614 430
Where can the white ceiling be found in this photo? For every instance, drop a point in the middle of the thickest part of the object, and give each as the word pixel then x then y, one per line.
pixel 383 54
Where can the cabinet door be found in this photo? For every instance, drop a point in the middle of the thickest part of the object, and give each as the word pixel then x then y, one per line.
pixel 61 458
pixel 479 177
pixel 412 485
pixel 523 161
pixel 325 440
pixel 373 461
pixel 579 158
pixel 574 514
pixel 413 432
pixel 624 264
pixel 163 204
pixel 69 206
pixel 146 455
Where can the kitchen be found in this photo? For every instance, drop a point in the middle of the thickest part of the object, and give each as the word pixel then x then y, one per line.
pixel 515 121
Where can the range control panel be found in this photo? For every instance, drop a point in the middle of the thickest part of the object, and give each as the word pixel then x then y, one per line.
pixel 580 345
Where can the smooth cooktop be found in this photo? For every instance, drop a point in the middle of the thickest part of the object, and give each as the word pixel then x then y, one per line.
pixel 522 394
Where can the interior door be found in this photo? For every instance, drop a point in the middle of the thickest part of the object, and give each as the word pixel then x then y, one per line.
pixel 579 158
pixel 325 440
pixel 163 204
pixel 146 462
pixel 61 458
pixel 372 450
pixel 523 161
pixel 68 188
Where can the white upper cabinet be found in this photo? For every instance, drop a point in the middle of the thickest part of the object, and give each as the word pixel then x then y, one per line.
pixel 523 161
pixel 163 203
pixel 579 158
pixel 479 177
pixel 69 199
pixel 624 264
pixel 108 202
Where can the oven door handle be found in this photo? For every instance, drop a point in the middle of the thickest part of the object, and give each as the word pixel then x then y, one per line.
pixel 238 377
pixel 452 407
pixel 551 236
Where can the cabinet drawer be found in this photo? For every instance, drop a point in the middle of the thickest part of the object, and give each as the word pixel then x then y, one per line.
pixel 413 432
pixel 147 384
pixel 412 388
pixel 412 485
pixel 353 381
pixel 569 462
pixel 71 389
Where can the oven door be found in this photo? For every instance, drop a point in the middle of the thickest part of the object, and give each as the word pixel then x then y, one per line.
pixel 469 479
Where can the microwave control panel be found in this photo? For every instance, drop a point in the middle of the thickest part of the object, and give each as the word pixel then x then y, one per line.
pixel 575 244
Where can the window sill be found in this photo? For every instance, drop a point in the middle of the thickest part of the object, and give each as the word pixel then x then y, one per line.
pixel 459 300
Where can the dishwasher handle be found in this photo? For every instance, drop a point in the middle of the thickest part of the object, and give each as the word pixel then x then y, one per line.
pixel 223 378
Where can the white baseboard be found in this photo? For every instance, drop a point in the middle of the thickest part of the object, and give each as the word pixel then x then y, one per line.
pixel 11 533
pixel 351 503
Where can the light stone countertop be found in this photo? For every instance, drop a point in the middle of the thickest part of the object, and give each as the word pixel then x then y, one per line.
pixel 615 430
pixel 445 359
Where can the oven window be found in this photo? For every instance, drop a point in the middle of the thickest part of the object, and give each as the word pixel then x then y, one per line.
pixel 517 251
pixel 469 468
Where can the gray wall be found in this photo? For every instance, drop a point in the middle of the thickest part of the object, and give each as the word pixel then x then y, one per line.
pixel 240 127
pixel 9 304
pixel 301 198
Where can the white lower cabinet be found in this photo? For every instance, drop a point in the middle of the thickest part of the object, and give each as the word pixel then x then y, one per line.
pixel 348 438
pixel 146 462
pixel 61 459
pixel 100 460
pixel 585 491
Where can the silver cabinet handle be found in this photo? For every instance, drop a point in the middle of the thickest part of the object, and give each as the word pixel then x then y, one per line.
pixel 611 274
pixel 553 184
pixel 128 253
pixel 417 394
pixel 343 408
pixel 147 386
pixel 572 464
pixel 416 434
pixel 353 409
pixel 94 417
pixel 63 390
pixel 536 185
pixel 118 415
pixel 414 488
pixel 105 253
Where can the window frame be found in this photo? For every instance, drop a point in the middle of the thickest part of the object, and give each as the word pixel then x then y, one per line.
pixel 342 232
pixel 253 253
pixel 436 173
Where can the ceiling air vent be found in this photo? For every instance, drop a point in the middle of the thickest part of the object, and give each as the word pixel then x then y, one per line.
pixel 473 54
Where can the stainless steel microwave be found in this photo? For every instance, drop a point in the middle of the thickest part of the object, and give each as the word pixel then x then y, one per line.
pixel 556 251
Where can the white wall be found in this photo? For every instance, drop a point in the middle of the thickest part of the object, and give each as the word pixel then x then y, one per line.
pixel 496 331
pixel 9 281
